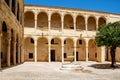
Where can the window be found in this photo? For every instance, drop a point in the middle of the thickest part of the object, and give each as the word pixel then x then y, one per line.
pixel 65 55
pixel 80 41
pixel 65 42
pixel 95 55
pixel 52 41
pixel 31 41
pixel 30 55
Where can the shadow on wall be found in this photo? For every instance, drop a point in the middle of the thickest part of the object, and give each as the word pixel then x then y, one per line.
pixel 104 66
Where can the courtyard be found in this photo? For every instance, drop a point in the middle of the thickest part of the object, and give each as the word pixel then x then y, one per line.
pixel 51 71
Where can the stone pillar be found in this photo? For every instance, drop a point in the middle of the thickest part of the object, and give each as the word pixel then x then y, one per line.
pixel 35 18
pixel 86 50
pixel 97 22
pixel 35 45
pixel 62 21
pixel 74 21
pixel 19 55
pixel 14 52
pixel 103 54
pixel 8 47
pixel 49 21
pixel 49 49
pixel 74 51
pixel 22 54
pixel 86 22
pixel 62 43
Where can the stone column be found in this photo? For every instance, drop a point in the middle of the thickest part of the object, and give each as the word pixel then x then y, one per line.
pixel 22 54
pixel 49 21
pixel 74 21
pixel 86 22
pixel 35 18
pixel 62 21
pixel 97 22
pixel 14 52
pixel 49 49
pixel 62 43
pixel 19 55
pixel 103 54
pixel 35 45
pixel 86 50
pixel 74 51
pixel 8 47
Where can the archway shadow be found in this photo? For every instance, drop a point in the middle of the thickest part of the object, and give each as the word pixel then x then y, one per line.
pixel 104 66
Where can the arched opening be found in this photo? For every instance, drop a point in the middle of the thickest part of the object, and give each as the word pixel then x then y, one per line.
pixel 80 23
pixel 42 21
pixel 80 50
pixel 101 21
pixel 13 6
pixel 17 49
pixel 29 49
pixel 56 49
pixel 91 24
pixel 68 48
pixel 18 12
pixel 4 44
pixel 42 49
pixel 55 21
pixel 68 22
pixel 92 50
pixel 29 19
pixel 12 47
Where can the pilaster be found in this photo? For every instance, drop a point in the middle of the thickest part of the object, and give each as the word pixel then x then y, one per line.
pixel 14 52
pixel 62 43
pixel 35 45
pixel 8 47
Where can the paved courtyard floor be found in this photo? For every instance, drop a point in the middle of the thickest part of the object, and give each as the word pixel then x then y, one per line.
pixel 51 71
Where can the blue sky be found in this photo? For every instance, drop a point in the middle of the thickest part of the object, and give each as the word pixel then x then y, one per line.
pixel 112 6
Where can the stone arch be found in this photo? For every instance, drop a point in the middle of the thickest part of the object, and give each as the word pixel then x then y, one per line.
pixel 4 44
pixel 29 19
pixel 80 50
pixel 42 20
pixel 91 23
pixel 29 49
pixel 68 22
pixel 101 21
pixel 92 50
pixel 80 23
pixel 55 21
pixel 56 47
pixel 68 48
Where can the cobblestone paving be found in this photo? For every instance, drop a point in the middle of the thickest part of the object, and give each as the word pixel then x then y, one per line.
pixel 51 71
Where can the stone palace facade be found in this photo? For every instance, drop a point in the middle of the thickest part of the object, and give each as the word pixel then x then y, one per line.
pixel 11 32
pixel 55 34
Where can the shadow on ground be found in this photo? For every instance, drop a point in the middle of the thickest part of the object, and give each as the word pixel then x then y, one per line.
pixel 104 66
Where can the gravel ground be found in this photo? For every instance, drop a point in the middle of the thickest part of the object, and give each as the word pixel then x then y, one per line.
pixel 51 71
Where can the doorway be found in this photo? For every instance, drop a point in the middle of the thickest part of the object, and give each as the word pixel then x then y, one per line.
pixel 52 55
pixel 77 56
